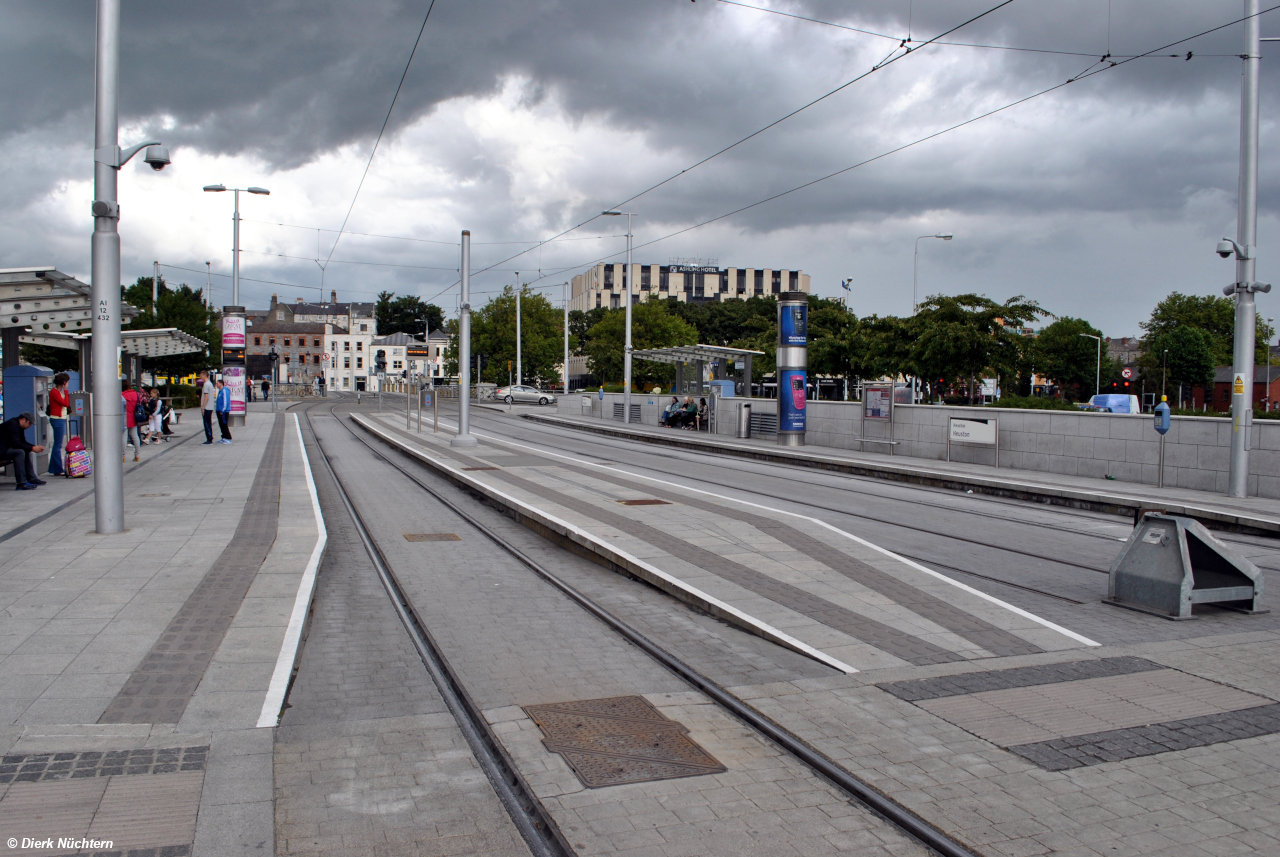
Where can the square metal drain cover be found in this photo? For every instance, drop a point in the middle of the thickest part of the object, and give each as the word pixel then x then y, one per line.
pixel 622 739
pixel 432 537
pixel 644 502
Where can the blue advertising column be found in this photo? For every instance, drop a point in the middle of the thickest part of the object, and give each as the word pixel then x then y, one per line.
pixel 793 363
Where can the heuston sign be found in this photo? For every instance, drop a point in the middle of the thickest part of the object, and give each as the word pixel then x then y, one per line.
pixel 973 431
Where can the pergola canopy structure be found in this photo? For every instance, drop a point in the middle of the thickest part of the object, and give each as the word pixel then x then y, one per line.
pixel 160 342
pixel 45 299
pixel 700 355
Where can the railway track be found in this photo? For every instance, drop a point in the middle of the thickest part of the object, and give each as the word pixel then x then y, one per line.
pixel 532 819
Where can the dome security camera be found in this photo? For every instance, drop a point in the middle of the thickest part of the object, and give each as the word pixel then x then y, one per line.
pixel 1225 249
pixel 157 157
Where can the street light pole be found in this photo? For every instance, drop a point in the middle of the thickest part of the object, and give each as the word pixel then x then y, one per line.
pixel 915 265
pixel 1268 352
pixel 108 470
pixel 566 338
pixel 626 350
pixel 464 436
pixel 1097 384
pixel 519 368
pixel 155 286
pixel 235 233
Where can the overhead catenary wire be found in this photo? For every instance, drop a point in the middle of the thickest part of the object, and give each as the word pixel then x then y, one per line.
pixel 419 240
pixel 1087 73
pixel 887 61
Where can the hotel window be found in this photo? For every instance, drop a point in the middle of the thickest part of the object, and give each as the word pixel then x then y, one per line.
pixel 664 280
pixel 777 282
pixel 793 280
pixel 315 343
pixel 316 359
pixel 759 283
pixel 646 279
pixel 699 284
pixel 608 276
pixel 742 282
pixel 724 282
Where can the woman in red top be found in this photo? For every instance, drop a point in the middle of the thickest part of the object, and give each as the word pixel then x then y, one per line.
pixel 130 397
pixel 59 407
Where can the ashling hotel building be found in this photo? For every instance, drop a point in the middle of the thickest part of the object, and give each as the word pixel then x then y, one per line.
pixel 602 285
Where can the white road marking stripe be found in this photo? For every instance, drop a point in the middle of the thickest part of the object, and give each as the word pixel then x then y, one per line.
pixel 787 639
pixel 271 706
pixel 983 595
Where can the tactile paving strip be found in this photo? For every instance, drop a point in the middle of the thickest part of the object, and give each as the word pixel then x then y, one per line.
pixel 621 739
pixel 160 688
pixel 35 767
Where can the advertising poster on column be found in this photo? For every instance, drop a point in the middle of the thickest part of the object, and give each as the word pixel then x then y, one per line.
pixel 791 402
pixel 794 321
pixel 233 331
pixel 234 377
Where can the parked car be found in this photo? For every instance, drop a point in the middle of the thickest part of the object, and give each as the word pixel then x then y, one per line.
pixel 522 395
pixel 1113 403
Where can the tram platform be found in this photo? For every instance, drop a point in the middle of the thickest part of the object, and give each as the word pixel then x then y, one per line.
pixel 138 668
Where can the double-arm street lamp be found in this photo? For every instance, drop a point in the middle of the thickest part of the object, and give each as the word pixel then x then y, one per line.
pixel 108 158
pixel 1097 384
pixel 626 351
pixel 915 265
pixel 235 233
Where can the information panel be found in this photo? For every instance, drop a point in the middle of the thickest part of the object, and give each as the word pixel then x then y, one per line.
pixel 972 431
pixel 877 402
pixel 233 329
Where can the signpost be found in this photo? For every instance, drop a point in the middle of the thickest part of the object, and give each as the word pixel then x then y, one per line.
pixel 978 432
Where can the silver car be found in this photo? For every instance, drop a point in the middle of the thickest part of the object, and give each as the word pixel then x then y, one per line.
pixel 523 395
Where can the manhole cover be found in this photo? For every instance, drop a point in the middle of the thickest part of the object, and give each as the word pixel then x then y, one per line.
pixel 622 739
pixel 644 502
pixel 432 537
pixel 480 468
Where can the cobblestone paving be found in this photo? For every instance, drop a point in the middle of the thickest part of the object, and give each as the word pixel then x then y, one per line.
pixel 367 759
pixel 515 642
pixel 34 767
pixel 1006 679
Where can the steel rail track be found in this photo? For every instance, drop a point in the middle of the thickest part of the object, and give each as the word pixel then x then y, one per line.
pixel 888 809
pixel 538 829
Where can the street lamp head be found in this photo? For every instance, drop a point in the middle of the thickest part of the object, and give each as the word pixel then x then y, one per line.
pixel 945 236
pixel 214 188
pixel 261 190
pixel 611 213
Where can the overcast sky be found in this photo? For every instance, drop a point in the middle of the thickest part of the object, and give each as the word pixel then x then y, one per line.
pixel 521 118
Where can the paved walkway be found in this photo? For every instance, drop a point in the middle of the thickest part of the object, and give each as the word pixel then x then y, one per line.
pixel 1013 736
pixel 135 667
pixel 1260 512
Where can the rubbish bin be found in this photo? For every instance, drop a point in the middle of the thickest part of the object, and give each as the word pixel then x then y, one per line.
pixel 744 419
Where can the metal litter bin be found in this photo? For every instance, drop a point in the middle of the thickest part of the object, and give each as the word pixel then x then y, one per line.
pixel 744 419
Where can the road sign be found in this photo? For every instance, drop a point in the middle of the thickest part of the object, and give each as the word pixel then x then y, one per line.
pixel 1126 374
pixel 326 356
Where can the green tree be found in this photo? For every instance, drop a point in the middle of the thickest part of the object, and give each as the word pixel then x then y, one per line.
pixel 1215 316
pixel 184 309
pixel 1191 358
pixel 580 324
pixel 493 334
pixel 1065 354
pixel 964 336
pixel 406 314
pixel 652 326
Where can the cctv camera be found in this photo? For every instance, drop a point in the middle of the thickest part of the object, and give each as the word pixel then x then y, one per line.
pixel 1225 249
pixel 157 157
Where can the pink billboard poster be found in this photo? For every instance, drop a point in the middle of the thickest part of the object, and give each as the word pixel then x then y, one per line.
pixel 233 332
pixel 234 377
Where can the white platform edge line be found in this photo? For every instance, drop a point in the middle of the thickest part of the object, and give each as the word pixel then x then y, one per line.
pixel 816 654
pixel 271 706
pixel 911 563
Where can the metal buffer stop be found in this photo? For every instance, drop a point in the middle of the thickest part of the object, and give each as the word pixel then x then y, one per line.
pixel 1171 563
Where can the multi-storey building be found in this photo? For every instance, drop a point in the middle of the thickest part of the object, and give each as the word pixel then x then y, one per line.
pixel 352 317
pixel 602 285
pixel 299 347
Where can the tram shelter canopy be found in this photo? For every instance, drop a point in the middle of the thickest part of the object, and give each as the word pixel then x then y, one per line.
pixel 700 355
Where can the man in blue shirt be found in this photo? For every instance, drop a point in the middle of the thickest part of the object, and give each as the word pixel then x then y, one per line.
pixel 222 407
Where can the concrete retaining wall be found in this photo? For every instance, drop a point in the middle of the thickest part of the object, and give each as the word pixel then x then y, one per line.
pixel 1123 446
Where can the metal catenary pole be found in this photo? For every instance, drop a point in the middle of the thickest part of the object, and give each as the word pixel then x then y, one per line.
pixel 626 355
pixel 108 470
pixel 155 287
pixel 235 252
pixel 566 339
pixel 1246 237
pixel 519 367
pixel 464 436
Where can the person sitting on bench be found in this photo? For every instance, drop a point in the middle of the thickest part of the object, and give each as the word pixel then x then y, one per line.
pixel 17 450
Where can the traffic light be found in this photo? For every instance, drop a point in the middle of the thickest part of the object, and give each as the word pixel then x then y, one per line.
pixel 380 362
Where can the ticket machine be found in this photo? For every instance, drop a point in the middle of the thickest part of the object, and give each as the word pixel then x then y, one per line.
pixel 26 390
